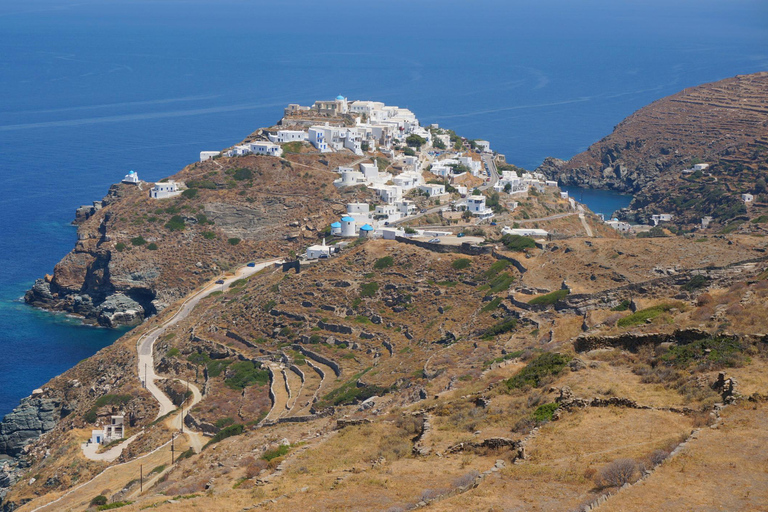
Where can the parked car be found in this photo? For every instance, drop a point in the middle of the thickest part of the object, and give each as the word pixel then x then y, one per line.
pixel 220 281
pixel 323 256
pixel 435 241
pixel 493 223
pixel 252 264
pixel 460 235
pixel 423 211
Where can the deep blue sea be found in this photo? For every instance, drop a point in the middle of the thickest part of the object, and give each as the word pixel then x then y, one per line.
pixel 92 89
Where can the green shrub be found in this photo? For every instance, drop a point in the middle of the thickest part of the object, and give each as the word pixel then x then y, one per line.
pixel 710 353
pixel 152 246
pixel 119 246
pixel 622 306
pixel 544 412
pixel 292 147
pixel 99 500
pixel 173 352
pixel 518 243
pixel 186 454
pixel 500 328
pixel 190 193
pixel 207 184
pixel 277 452
pixel 230 431
pixel 505 357
pixel 209 235
pixel 202 219
pixel 233 241
pixel 158 469
pixel 246 373
pixel 139 240
pixel 369 289
pixel 537 372
pixel 176 223
pixel 461 263
pixel 242 174
pixel 549 298
pixel 384 262
pixel 640 317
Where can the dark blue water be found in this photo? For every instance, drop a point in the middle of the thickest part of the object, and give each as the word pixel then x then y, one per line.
pixel 92 89
pixel 599 201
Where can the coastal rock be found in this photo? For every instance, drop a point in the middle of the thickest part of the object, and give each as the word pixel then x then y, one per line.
pixel 33 417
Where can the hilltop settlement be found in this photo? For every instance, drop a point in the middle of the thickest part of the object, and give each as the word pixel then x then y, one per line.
pixel 349 310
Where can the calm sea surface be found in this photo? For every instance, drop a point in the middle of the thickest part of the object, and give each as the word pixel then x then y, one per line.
pixel 90 90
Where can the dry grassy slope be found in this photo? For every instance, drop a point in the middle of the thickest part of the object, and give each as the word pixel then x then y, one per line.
pixel 720 120
pixel 371 467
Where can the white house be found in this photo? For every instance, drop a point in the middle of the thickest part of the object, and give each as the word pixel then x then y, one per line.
pixel 433 189
pixel 97 437
pixel 550 183
pixel 618 225
pixel 483 145
pixel 115 430
pixel 705 221
pixel 164 190
pixel 316 137
pixel 132 178
pixel 747 198
pixel 532 232
pixel 564 195
pixel 661 217
pixel 700 167
pixel 361 212
pixel 476 205
pixel 317 251
pixel 265 148
pixel 207 155
pixel 283 136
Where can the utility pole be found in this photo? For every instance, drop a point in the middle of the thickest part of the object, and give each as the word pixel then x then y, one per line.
pixel 173 436
pixel 141 478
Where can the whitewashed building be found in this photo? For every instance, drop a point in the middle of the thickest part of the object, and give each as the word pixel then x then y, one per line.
pixel 265 148
pixel 433 189
pixel 132 178
pixel 747 198
pixel 207 155
pixel 283 136
pixel 661 217
pixel 483 145
pixel 531 232
pixel 164 190
pixel 476 206
pixel 319 251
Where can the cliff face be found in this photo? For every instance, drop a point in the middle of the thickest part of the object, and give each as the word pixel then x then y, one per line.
pixel 135 255
pixel 724 122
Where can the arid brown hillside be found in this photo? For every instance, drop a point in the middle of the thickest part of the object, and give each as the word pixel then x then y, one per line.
pixel 137 255
pixel 724 122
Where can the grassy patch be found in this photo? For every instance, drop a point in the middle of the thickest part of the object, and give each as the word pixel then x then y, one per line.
pixel 497 267
pixel 117 504
pixel 277 452
pixel 158 469
pixel 622 306
pixel 117 400
pixel 224 422
pixel 505 357
pixel 190 193
pixel 544 412
pixel 246 373
pixel 242 174
pixel 500 328
pixel 539 371
pixel 642 316
pixel 461 263
pixel 230 431
pixel 209 235
pixel 501 282
pixel 491 305
pixel 173 352
pixel 175 224
pixel 518 243
pixel 549 298
pixel 710 353
pixel 384 262
pixel 369 289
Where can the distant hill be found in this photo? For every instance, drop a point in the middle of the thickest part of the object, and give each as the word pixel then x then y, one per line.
pixel 723 123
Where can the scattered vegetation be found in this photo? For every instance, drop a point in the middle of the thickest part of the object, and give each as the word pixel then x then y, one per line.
pixel 500 328
pixel 696 282
pixel 233 241
pixel 518 243
pixel 708 354
pixel 139 240
pixel 642 316
pixel 244 374
pixel 544 413
pixel 277 452
pixel 176 223
pixel 461 263
pixel 230 431
pixel 384 262
pixel 369 289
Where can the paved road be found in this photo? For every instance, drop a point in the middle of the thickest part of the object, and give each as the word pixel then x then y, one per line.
pixel 494 173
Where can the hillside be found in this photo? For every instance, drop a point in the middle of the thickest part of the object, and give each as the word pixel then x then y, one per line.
pixel 723 124
pixel 412 376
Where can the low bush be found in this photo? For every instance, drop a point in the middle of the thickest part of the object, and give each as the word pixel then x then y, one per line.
pixel 617 473
pixel 120 246
pixel 233 241
pixel 501 282
pixel 209 235
pixel 710 353
pixel 369 289
pixel 139 240
pixel 622 306
pixel 497 267
pixel 242 174
pixel 190 193
pixel 544 412
pixel 539 371
pixel 244 374
pixel 117 504
pixel 493 304
pixel 696 282
pixel 277 452
pixel 99 500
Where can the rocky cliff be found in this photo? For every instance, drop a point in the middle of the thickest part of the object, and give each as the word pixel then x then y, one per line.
pixel 135 255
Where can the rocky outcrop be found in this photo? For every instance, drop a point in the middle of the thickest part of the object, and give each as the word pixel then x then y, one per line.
pixel 33 417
